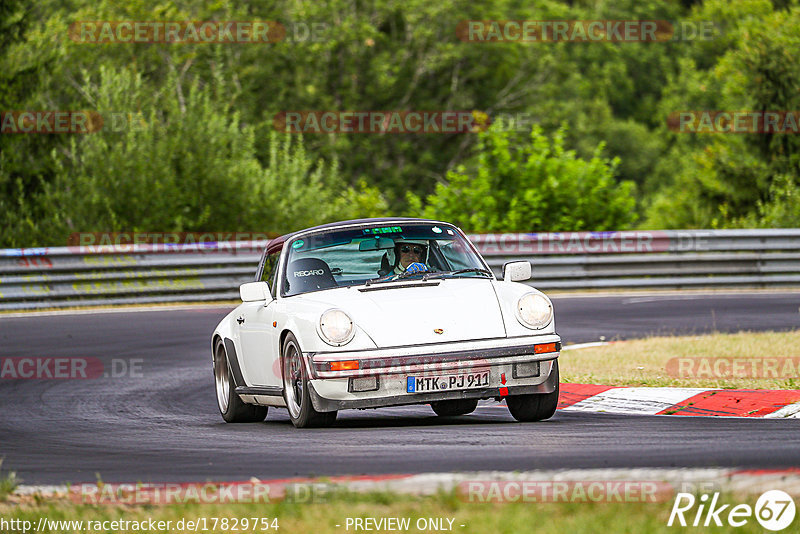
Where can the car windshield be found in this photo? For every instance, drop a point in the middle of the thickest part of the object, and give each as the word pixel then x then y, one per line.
pixel 374 254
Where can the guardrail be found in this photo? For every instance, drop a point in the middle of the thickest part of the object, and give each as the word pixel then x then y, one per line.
pixel 124 274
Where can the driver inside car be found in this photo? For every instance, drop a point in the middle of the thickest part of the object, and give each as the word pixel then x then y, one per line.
pixel 411 256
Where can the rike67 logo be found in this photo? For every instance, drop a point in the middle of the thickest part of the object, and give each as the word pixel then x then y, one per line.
pixel 774 510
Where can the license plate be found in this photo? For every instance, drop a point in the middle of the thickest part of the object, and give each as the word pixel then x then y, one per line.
pixel 429 384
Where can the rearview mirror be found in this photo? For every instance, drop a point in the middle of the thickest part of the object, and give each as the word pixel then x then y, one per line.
pixel 379 243
pixel 516 271
pixel 254 292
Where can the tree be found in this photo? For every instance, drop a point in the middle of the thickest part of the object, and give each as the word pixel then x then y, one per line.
pixel 537 185
pixel 183 162
pixel 722 180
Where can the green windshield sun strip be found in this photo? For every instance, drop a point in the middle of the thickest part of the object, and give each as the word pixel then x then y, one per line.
pixel 383 230
pixel 411 232
pixel 307 248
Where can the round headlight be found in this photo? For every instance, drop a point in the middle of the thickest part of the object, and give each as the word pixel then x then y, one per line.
pixel 534 311
pixel 336 327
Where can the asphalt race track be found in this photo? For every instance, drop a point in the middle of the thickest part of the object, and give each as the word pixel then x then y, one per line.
pixel 163 426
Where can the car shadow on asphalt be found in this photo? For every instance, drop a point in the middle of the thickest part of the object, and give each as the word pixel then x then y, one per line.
pixel 410 417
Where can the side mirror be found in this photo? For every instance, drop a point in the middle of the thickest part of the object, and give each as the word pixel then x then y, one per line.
pixel 516 271
pixel 254 292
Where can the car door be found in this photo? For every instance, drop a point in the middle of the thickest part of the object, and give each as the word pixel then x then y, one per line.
pixel 257 336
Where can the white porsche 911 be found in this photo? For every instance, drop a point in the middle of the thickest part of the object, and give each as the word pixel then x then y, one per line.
pixel 384 312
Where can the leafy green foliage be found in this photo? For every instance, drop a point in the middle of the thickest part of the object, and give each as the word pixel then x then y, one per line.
pixel 537 185
pixel 719 180
pixel 186 164
pixel 207 156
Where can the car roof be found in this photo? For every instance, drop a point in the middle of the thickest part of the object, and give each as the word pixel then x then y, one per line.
pixel 277 244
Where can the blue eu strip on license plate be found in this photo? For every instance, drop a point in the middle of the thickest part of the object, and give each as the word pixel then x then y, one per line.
pixel 411 385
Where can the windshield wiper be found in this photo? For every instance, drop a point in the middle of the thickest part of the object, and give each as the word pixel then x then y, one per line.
pixel 406 274
pixel 396 277
pixel 383 279
pixel 429 276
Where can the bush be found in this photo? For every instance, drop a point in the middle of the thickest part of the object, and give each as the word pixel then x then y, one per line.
pixel 185 163
pixel 531 186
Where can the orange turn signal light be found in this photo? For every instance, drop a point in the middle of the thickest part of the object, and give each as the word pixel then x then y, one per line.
pixel 544 347
pixel 345 365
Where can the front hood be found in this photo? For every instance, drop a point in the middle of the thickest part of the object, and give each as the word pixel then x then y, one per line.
pixel 464 309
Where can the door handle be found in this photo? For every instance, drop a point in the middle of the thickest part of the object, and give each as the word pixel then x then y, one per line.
pixel 240 319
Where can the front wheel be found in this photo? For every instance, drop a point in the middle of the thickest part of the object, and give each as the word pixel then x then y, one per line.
pixel 454 407
pixel 534 407
pixel 295 389
pixel 231 407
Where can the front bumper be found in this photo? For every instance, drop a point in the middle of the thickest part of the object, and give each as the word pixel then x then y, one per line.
pixel 332 390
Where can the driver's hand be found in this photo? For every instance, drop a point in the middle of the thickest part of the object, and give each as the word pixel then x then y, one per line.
pixel 416 267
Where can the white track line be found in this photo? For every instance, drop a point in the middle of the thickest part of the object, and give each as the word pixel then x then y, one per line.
pixel 645 401
pixel 584 345
pixel 121 309
pixel 791 411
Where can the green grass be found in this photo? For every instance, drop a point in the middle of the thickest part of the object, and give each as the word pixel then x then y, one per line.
pixel 644 362
pixel 8 483
pixel 322 518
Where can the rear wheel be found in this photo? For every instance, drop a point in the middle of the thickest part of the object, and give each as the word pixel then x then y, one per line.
pixel 536 407
pixel 454 407
pixel 231 407
pixel 295 389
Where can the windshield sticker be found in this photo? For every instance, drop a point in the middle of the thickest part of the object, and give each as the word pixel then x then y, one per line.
pixel 450 232
pixel 299 243
pixel 384 230
pixel 436 230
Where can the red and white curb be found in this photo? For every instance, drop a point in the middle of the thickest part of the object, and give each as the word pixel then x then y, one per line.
pixel 680 401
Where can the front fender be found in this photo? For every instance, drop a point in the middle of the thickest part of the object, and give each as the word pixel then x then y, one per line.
pixel 508 293
pixel 303 321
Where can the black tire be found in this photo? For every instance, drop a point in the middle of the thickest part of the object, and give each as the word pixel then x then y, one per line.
pixel 535 407
pixel 451 408
pixel 296 391
pixel 231 407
